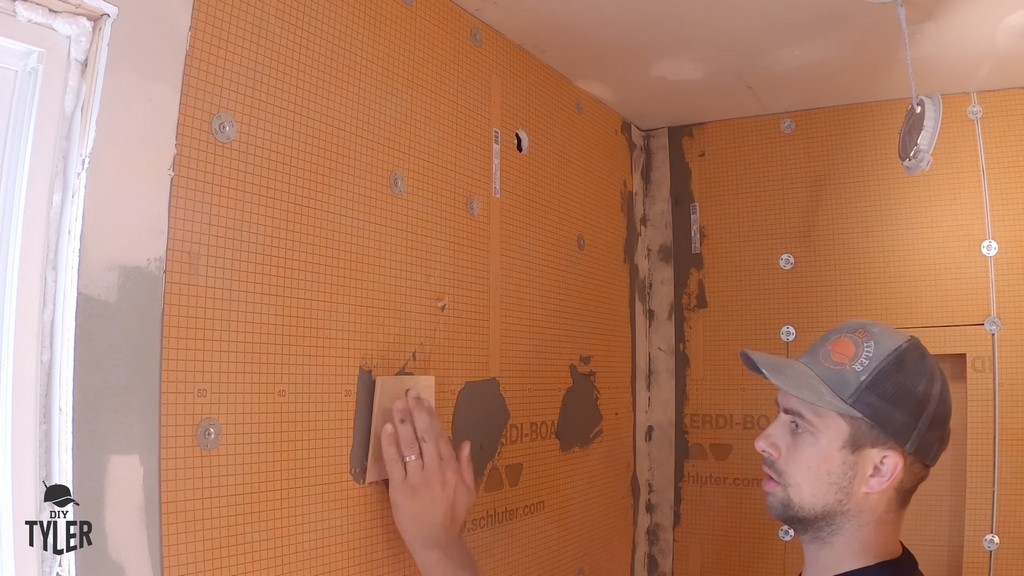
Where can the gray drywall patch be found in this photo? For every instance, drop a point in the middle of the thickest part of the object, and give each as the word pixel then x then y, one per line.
pixel 361 423
pixel 117 418
pixel 579 417
pixel 480 416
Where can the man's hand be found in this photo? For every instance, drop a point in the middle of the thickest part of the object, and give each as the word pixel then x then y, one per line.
pixel 432 490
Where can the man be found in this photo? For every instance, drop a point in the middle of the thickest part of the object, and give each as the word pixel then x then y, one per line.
pixel 864 415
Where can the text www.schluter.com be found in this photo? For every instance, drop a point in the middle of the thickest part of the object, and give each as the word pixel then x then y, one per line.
pixel 719 480
pixel 500 516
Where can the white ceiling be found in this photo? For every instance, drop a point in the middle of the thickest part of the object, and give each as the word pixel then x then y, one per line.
pixel 675 62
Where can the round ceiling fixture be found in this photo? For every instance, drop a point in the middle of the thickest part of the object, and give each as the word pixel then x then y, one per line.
pixel 920 130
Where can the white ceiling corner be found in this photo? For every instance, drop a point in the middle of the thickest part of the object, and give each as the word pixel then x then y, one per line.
pixel 676 62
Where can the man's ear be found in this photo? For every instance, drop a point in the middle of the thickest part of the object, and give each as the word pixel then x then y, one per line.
pixel 885 468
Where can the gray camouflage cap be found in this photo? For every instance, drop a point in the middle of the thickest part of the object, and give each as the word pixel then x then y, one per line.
pixel 874 372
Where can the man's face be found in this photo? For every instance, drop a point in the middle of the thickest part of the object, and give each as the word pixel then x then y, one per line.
pixel 810 477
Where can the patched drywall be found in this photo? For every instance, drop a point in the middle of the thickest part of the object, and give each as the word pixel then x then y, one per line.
pixel 115 417
pixel 118 332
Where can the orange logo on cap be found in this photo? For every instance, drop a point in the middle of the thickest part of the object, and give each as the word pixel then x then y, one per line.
pixel 848 351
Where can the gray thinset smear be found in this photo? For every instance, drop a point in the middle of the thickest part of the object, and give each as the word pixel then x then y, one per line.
pixel 579 418
pixel 360 452
pixel 480 416
pixel 404 370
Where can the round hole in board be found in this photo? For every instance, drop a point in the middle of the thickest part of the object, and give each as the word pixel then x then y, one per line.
pixel 522 141
pixel 398 183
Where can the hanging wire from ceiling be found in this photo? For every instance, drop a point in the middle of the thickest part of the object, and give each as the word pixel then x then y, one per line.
pixel 902 11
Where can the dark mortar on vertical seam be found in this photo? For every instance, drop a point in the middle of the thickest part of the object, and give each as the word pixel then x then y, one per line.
pixel 684 260
pixel 628 257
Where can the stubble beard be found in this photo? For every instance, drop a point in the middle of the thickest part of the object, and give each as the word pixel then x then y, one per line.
pixel 817 522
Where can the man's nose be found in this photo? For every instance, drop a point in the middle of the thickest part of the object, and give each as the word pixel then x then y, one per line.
pixel 766 445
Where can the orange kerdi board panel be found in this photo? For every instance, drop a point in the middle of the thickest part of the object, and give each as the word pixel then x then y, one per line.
pixel 359 225
pixel 293 266
pixel 869 242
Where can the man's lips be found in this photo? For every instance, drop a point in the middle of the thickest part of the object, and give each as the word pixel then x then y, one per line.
pixel 770 483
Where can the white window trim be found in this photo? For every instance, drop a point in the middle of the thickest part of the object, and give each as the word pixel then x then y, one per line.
pixel 25 60
pixel 87 25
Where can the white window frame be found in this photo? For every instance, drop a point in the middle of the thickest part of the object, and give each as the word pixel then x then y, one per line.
pixel 62 49
pixel 25 61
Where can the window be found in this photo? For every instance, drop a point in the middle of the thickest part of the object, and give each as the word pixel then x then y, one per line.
pixel 48 93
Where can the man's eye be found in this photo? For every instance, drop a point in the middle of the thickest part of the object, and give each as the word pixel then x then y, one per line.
pixel 795 426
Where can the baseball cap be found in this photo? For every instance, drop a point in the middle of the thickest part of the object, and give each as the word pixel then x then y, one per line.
pixel 58 495
pixel 872 371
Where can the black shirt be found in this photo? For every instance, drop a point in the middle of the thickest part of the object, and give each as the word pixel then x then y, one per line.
pixel 903 565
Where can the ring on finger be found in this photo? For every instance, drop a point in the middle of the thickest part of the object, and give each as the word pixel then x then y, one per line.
pixel 410 458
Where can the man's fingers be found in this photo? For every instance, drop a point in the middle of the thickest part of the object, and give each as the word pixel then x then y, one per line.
pixel 466 464
pixel 408 445
pixel 444 447
pixel 444 442
pixel 425 420
pixel 392 458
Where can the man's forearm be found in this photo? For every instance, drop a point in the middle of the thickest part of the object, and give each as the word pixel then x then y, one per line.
pixel 453 560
